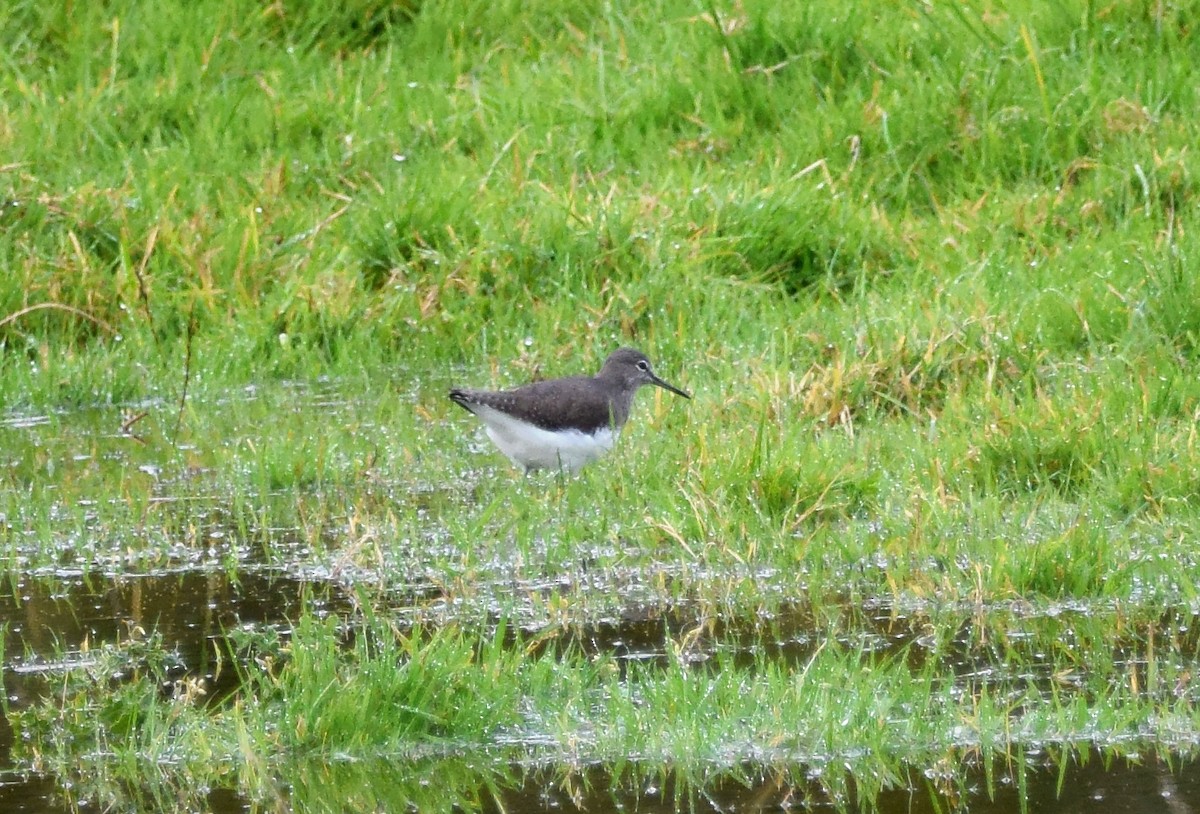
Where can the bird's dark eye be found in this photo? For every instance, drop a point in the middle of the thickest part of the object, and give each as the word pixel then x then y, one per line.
pixel 643 365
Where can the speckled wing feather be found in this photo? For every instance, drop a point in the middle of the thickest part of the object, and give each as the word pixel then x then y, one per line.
pixel 578 402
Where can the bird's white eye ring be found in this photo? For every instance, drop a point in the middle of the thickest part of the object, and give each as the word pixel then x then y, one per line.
pixel 643 365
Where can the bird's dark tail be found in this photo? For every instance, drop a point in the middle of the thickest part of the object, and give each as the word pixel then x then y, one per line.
pixel 462 398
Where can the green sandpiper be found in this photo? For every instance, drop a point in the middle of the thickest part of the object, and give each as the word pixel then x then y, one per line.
pixel 563 423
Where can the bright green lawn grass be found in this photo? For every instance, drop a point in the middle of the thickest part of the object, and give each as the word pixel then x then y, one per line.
pixel 929 271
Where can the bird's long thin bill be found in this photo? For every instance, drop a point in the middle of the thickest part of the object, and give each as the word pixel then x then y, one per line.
pixel 670 387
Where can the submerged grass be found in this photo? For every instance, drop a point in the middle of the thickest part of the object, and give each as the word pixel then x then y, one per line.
pixel 926 268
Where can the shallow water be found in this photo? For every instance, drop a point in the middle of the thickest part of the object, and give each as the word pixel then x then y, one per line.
pixel 197 574
pixel 1122 787
pixel 1119 787
pixel 53 622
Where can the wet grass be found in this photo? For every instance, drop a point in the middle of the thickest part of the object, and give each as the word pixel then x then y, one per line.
pixel 844 722
pixel 927 271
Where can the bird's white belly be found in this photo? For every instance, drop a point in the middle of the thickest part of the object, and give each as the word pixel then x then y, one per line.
pixel 535 448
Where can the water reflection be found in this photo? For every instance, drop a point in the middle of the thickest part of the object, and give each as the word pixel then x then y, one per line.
pixel 50 624
pixel 1090 784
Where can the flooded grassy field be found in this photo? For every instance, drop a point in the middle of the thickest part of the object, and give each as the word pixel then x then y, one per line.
pixel 364 639
pixel 923 538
